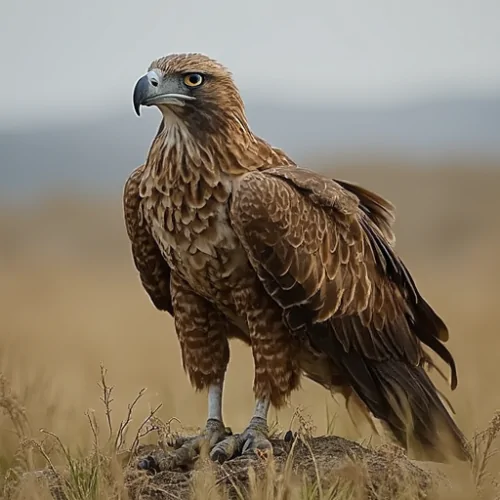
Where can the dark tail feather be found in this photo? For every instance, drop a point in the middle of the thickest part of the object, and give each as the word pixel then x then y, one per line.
pixel 400 395
pixel 415 414
pixel 432 331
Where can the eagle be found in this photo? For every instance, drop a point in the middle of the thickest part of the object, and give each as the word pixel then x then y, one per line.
pixel 235 240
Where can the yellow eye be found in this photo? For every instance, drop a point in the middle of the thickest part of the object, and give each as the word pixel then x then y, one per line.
pixel 193 80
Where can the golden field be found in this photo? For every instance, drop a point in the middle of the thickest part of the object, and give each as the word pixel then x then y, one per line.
pixel 70 299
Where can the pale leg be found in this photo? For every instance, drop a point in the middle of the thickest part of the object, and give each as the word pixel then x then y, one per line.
pixel 214 428
pixel 189 448
pixel 215 402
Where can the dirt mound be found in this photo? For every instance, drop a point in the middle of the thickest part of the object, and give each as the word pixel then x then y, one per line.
pixel 328 464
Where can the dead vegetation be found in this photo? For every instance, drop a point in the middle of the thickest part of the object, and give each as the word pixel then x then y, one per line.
pixel 70 301
pixel 302 466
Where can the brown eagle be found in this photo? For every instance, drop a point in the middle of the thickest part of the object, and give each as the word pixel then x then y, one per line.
pixel 233 239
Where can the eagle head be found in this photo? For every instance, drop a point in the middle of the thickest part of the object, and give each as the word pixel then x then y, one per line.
pixel 191 87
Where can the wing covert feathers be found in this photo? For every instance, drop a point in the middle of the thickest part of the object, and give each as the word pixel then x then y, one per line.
pixel 153 270
pixel 324 251
pixel 379 210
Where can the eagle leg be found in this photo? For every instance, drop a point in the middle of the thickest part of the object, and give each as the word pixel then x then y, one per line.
pixel 188 449
pixel 254 439
pixel 191 448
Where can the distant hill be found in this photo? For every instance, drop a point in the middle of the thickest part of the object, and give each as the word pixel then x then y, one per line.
pixel 98 155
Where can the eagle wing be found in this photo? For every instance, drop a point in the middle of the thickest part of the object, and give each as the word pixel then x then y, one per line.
pixel 153 270
pixel 323 251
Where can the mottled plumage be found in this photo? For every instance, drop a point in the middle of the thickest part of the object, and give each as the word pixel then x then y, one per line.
pixel 233 239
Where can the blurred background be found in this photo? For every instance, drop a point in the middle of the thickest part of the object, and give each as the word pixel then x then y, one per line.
pixel 403 97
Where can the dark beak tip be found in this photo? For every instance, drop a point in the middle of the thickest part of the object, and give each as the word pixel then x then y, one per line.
pixel 140 93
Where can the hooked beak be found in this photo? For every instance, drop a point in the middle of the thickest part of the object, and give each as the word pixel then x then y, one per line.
pixel 151 90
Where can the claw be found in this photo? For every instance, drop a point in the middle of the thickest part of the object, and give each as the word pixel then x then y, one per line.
pixel 188 449
pixel 226 449
pixel 223 445
pixel 148 464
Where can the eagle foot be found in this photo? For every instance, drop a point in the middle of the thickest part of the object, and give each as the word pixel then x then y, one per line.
pixel 213 433
pixel 253 440
pixel 188 449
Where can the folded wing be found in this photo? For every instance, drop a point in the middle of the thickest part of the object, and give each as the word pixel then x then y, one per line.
pixel 323 250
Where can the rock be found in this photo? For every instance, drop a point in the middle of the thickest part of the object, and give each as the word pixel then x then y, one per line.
pixel 335 463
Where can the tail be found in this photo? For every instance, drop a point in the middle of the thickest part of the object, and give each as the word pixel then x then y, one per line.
pixel 415 414
pixel 399 394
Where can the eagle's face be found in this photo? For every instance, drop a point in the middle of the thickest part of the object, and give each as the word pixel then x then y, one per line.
pixel 190 87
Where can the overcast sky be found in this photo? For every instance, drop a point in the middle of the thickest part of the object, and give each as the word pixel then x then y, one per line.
pixel 65 59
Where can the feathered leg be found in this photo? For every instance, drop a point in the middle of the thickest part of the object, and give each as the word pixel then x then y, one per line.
pixel 202 333
pixel 276 370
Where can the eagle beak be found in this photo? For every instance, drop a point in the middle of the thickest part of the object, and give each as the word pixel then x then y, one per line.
pixel 151 90
pixel 144 89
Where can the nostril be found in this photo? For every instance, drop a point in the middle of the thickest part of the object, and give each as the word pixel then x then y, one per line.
pixel 153 78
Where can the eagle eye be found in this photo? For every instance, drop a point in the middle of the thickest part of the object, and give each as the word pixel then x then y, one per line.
pixel 193 79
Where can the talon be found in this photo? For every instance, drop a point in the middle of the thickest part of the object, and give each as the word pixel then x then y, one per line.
pixel 148 464
pixel 187 450
pixel 247 446
pixel 219 456
pixel 252 440
pixel 226 449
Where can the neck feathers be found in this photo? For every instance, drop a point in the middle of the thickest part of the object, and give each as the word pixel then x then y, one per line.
pixel 181 155
pixel 187 182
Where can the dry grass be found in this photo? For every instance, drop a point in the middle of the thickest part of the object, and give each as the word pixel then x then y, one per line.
pixel 70 300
